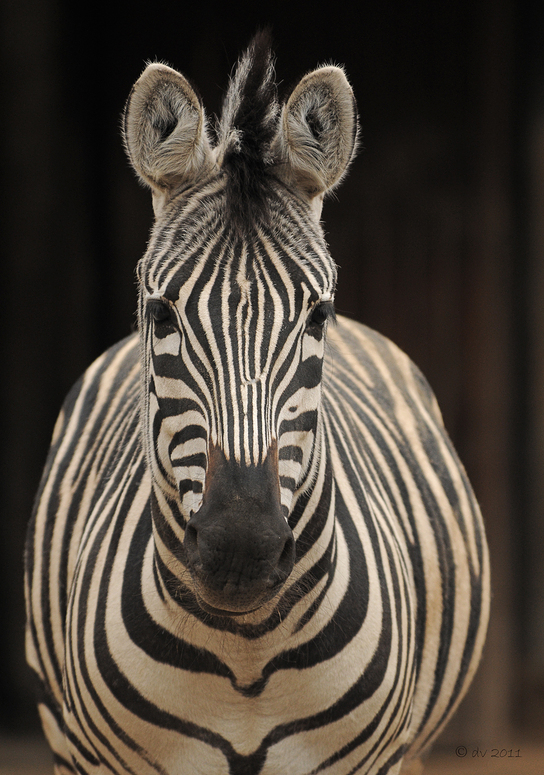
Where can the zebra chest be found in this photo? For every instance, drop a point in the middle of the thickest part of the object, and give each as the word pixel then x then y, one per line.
pixel 183 718
pixel 180 696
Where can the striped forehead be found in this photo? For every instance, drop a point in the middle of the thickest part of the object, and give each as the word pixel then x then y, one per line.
pixel 287 250
pixel 249 272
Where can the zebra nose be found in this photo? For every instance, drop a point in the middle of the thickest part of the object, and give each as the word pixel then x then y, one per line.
pixel 217 550
pixel 238 546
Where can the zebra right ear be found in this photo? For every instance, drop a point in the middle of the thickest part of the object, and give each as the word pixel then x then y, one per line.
pixel 165 132
pixel 317 137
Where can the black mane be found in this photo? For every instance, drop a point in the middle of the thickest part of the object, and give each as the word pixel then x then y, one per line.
pixel 247 129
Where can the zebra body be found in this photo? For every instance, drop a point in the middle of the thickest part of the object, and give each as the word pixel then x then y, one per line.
pixel 254 549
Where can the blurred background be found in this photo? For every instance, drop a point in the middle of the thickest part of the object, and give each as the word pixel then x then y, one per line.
pixel 438 231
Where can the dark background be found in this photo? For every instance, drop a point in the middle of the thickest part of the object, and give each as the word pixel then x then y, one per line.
pixel 439 233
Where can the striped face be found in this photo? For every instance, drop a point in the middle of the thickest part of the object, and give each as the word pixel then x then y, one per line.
pixel 236 290
pixel 233 341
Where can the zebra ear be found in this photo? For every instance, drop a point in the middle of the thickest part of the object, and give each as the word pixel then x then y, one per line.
pixel 165 132
pixel 317 138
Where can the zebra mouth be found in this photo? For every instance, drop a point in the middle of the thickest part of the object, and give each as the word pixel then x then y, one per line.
pixel 210 609
pixel 235 602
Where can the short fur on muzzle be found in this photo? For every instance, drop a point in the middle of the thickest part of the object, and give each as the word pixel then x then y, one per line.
pixel 238 545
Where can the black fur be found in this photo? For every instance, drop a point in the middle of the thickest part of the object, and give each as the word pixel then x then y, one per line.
pixel 248 133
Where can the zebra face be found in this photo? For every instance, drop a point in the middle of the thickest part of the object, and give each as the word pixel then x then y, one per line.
pixel 234 332
pixel 236 290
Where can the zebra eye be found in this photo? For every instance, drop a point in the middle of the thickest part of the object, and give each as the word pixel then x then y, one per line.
pixel 322 312
pixel 159 310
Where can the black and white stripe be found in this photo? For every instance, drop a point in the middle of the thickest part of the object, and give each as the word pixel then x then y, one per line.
pixel 254 550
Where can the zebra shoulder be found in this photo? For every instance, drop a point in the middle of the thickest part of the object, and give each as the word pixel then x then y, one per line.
pixel 97 416
pixel 377 364
pixel 113 375
pixel 107 389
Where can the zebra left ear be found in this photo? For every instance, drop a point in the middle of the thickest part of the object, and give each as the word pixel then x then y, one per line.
pixel 165 132
pixel 317 137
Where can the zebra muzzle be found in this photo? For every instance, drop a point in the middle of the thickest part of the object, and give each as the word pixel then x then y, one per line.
pixel 238 545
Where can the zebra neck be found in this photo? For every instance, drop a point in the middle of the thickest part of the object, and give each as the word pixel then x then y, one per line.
pixel 168 532
pixel 312 510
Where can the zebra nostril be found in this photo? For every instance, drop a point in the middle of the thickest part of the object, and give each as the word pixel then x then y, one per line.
pixel 191 542
pixel 287 557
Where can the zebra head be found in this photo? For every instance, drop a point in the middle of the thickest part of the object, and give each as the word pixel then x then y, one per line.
pixel 236 289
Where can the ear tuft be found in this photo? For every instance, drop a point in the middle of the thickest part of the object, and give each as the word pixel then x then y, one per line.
pixel 165 130
pixel 318 133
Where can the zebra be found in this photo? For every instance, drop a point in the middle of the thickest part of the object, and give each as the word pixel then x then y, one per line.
pixel 254 550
